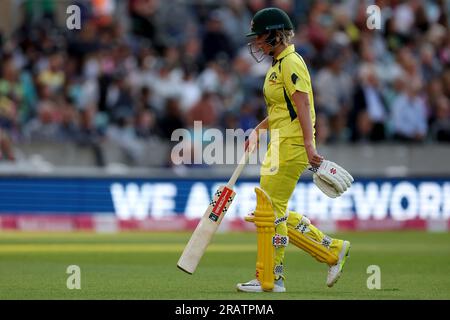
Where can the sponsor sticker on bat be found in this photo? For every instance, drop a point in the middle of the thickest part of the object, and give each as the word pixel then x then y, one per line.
pixel 221 203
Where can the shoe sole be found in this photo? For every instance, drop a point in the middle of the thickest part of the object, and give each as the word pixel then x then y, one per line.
pixel 344 259
pixel 250 291
pixel 276 290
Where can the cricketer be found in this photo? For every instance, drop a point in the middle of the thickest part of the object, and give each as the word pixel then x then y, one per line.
pixel 289 98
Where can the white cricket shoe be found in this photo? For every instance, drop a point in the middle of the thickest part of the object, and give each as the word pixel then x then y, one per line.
pixel 334 272
pixel 255 286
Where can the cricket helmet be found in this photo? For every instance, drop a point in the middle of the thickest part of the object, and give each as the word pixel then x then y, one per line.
pixel 269 19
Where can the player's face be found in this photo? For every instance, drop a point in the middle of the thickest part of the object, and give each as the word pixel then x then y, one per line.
pixel 260 43
pixel 259 48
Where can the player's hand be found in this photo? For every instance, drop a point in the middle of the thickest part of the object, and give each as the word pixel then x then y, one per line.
pixel 314 158
pixel 252 142
pixel 332 179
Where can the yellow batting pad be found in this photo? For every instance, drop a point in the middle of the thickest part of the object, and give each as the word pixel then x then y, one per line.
pixel 265 227
pixel 250 218
pixel 307 237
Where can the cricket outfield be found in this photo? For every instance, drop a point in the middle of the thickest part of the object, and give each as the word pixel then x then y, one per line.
pixel 413 265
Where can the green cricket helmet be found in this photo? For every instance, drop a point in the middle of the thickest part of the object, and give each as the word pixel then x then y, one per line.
pixel 269 19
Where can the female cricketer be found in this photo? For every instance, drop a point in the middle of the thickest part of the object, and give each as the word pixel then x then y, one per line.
pixel 289 98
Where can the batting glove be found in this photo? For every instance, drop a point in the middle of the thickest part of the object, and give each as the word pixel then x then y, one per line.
pixel 331 179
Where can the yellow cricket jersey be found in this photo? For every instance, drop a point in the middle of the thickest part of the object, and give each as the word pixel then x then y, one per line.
pixel 287 75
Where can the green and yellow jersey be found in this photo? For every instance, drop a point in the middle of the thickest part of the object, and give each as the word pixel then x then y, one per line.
pixel 287 75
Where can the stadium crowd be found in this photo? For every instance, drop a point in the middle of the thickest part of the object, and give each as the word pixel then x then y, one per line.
pixel 138 69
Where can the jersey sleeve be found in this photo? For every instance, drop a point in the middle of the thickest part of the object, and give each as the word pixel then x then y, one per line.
pixel 295 76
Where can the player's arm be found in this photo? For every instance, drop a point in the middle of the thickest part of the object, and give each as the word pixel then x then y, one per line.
pixel 298 84
pixel 253 139
pixel 263 125
pixel 301 101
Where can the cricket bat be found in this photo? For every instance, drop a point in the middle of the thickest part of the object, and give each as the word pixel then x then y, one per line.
pixel 206 228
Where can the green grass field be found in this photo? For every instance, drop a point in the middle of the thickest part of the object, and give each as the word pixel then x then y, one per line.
pixel 414 265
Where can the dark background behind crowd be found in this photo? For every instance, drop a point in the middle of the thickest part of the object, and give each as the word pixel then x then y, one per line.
pixel 139 69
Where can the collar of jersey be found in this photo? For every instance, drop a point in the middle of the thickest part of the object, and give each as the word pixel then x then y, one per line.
pixel 289 49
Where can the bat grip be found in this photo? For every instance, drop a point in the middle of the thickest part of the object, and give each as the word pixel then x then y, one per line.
pixel 237 172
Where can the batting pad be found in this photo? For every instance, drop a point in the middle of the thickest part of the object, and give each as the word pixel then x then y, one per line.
pixel 304 235
pixel 265 228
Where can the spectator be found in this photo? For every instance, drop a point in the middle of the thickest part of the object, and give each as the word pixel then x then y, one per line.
pixel 409 115
pixel 143 15
pixel 137 70
pixel 38 11
pixel 89 135
pixel 53 76
pixel 370 110
pixel 6 146
pixel 192 58
pixel 215 42
pixel 206 111
pixel 434 90
pixel 85 44
pixel 14 89
pixel 68 127
pixel 404 17
pixel 166 83
pixel 172 118
pixel 333 90
pixel 119 102
pixel 7 126
pixel 44 128
pixel 191 92
pixel 146 126
pixel 122 134
pixel 236 20
pixel 440 128
pixel 430 66
pixel 175 22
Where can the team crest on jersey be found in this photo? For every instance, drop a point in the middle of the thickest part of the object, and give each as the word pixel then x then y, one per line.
pixel 273 78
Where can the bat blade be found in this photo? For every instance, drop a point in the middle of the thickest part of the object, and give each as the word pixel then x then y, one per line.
pixel 205 230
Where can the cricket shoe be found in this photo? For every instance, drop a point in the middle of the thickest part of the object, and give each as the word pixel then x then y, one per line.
pixel 335 271
pixel 255 286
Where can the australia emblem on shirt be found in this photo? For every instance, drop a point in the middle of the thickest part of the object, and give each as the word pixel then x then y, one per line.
pixel 273 78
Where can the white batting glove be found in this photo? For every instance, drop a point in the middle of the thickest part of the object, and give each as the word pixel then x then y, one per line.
pixel 331 179
pixel 325 187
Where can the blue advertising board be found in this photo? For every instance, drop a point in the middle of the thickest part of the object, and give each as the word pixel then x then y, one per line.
pixel 400 199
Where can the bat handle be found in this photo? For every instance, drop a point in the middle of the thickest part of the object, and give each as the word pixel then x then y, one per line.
pixel 238 170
